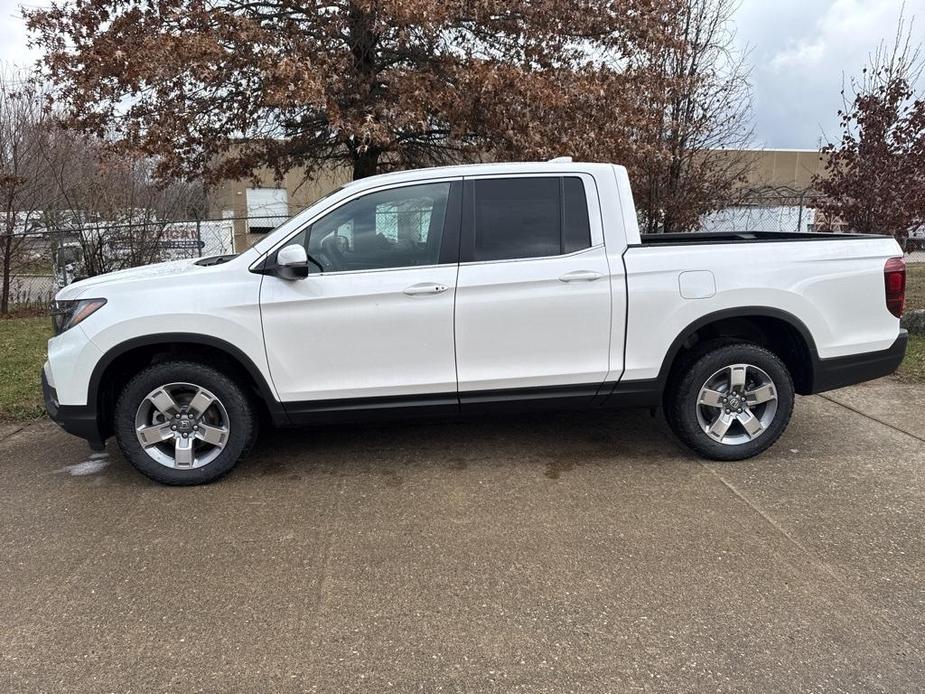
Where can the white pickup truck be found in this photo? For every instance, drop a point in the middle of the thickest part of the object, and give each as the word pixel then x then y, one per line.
pixel 470 289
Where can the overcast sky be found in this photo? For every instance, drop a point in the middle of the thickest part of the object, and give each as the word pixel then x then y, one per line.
pixel 799 48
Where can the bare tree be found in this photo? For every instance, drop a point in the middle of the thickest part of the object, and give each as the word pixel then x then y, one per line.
pixel 874 177
pixel 58 187
pixel 703 103
pixel 112 206
pixel 24 127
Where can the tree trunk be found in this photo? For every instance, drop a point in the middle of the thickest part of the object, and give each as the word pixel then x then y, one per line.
pixel 365 164
pixel 7 268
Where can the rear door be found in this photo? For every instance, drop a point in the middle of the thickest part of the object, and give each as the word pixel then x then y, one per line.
pixel 533 296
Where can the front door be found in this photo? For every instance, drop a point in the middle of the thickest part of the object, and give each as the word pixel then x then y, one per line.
pixel 373 326
pixel 534 292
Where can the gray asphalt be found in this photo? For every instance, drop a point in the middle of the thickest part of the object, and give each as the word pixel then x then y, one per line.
pixel 551 553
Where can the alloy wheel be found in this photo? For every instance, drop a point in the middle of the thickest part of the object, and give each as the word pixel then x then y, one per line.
pixel 182 426
pixel 737 404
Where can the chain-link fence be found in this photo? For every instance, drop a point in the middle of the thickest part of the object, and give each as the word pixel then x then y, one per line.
pixel 51 257
pixel 27 291
pixel 788 209
pixel 760 218
pixel 766 209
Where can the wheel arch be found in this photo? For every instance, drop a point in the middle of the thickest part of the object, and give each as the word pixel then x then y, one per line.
pixel 779 331
pixel 122 361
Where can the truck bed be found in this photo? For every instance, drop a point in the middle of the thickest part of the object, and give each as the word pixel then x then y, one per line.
pixel 832 285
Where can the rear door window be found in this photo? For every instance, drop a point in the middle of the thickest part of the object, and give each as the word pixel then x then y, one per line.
pixel 529 217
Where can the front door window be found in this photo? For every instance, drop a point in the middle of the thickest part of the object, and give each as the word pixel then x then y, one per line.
pixel 395 228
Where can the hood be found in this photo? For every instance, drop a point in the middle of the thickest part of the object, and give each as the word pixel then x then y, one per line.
pixel 84 287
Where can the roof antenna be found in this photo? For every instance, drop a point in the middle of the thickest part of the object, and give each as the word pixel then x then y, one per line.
pixel 560 160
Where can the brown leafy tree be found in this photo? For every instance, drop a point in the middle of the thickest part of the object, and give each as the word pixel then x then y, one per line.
pixel 224 87
pixel 874 177
pixel 702 101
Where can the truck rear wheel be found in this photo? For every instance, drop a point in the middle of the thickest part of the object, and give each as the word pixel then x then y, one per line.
pixel 731 402
pixel 184 423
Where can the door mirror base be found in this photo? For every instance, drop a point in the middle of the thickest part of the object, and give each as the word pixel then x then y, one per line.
pixel 291 272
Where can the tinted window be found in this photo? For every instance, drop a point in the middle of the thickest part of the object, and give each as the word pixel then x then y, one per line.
pixel 529 217
pixel 516 218
pixel 401 227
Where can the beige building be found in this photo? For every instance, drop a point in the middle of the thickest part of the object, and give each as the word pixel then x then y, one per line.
pixel 257 206
pixel 782 168
pixel 777 194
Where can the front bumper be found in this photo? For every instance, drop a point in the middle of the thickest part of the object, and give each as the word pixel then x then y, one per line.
pixel 829 374
pixel 79 420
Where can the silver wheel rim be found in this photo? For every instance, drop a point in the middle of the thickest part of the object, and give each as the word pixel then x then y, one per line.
pixel 182 426
pixel 737 404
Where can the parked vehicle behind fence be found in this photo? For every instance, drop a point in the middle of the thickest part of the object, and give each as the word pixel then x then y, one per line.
pixel 470 289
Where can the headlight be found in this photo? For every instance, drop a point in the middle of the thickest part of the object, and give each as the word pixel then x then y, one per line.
pixel 67 314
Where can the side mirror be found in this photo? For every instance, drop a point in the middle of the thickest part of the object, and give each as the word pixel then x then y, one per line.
pixel 292 262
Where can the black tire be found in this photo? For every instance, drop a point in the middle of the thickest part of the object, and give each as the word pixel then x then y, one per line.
pixel 242 420
pixel 683 392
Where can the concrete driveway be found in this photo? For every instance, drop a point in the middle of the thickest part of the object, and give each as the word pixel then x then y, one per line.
pixel 551 553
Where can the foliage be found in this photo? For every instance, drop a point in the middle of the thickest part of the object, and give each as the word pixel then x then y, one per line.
pixel 109 206
pixel 914 321
pixel 913 366
pixel 703 105
pixel 224 87
pixel 874 177
pixel 22 353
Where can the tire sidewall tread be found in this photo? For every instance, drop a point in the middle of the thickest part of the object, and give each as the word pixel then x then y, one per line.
pixel 243 420
pixel 680 401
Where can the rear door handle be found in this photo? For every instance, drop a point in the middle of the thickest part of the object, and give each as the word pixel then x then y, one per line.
pixel 581 276
pixel 425 288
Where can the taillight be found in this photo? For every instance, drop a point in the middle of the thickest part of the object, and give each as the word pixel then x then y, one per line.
pixel 894 277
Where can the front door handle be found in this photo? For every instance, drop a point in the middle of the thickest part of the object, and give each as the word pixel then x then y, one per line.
pixel 581 276
pixel 425 288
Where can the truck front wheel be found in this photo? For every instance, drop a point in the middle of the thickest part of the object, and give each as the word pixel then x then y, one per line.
pixel 731 402
pixel 184 423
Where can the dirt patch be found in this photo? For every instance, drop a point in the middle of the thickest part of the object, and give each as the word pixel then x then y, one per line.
pixel 555 468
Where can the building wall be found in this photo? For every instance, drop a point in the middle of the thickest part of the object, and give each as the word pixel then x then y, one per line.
pixel 228 200
pixel 782 168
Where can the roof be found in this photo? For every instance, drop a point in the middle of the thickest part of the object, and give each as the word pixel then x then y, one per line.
pixel 491 169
